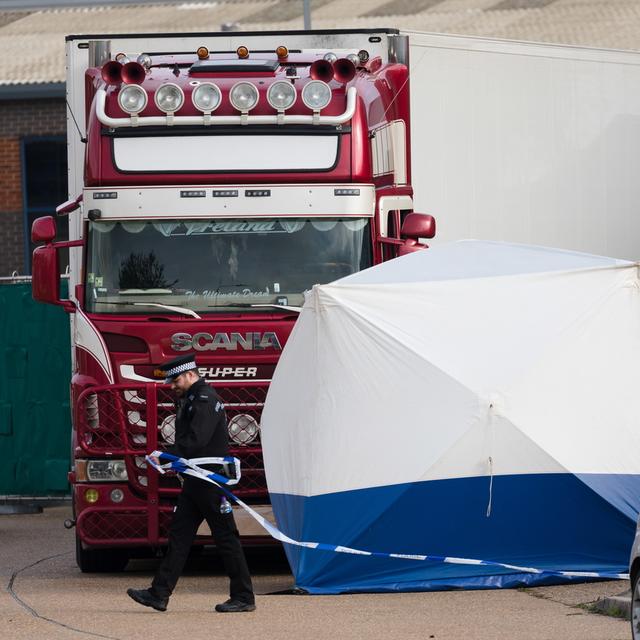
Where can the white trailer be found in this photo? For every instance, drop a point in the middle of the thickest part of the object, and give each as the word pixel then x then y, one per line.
pixel 524 142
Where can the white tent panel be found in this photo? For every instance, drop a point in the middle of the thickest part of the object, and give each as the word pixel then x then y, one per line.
pixel 376 434
pixel 580 401
pixel 492 447
pixel 375 368
pixel 415 395
pixel 477 259
pixel 294 416
pixel 482 332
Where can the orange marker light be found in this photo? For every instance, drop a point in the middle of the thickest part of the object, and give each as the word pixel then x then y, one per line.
pixel 203 53
pixel 282 52
pixel 242 52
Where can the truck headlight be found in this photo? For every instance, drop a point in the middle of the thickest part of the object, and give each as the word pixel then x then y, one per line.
pixel 206 97
pixel 243 429
pixel 243 96
pixel 169 98
pixel 281 95
pixel 106 471
pixel 132 98
pixel 168 429
pixel 92 412
pixel 316 95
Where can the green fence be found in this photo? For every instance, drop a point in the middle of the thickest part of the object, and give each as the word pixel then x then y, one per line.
pixel 35 370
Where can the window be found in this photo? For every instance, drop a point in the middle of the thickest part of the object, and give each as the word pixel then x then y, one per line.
pixel 388 250
pixel 44 187
pixel 219 264
pixel 388 151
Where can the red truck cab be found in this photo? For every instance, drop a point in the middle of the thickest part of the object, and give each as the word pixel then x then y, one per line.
pixel 214 178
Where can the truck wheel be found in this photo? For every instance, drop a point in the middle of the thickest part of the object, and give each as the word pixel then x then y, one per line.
pixel 635 607
pixel 100 560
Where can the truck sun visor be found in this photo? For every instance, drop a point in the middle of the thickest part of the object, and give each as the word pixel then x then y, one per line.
pixel 239 66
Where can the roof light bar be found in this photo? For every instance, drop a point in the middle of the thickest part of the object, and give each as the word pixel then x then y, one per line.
pixel 195 120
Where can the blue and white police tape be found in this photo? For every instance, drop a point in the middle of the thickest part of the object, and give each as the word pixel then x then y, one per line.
pixel 191 467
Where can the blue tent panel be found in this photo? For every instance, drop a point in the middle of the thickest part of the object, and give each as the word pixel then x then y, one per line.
pixel 553 522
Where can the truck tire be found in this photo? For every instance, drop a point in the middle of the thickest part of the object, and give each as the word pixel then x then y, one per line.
pixel 635 605
pixel 100 560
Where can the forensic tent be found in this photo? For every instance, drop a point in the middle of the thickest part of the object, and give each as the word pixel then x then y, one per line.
pixel 475 401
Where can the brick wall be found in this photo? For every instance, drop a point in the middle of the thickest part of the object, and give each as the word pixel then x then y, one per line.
pixel 11 244
pixel 32 118
pixel 10 174
pixel 19 119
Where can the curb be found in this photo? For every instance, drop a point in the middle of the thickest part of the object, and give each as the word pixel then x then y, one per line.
pixel 15 509
pixel 19 505
pixel 617 606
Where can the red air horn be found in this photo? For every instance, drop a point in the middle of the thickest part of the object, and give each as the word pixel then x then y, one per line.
pixel 133 73
pixel 112 72
pixel 344 70
pixel 321 70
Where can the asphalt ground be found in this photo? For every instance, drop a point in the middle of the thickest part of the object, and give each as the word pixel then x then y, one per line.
pixel 46 597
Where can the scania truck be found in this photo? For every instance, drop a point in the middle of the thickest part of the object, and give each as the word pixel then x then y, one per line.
pixel 213 179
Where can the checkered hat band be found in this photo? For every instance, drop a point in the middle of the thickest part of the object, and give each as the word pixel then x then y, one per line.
pixel 181 368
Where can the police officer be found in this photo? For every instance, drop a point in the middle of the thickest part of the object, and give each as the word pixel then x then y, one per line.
pixel 201 431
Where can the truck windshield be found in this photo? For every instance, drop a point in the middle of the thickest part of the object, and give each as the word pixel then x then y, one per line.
pixel 211 265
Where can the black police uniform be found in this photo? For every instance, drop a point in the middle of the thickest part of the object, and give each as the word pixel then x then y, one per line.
pixel 201 431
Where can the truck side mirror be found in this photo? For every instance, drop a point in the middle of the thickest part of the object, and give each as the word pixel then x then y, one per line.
pixel 43 229
pixel 45 280
pixel 45 266
pixel 418 225
pixel 414 227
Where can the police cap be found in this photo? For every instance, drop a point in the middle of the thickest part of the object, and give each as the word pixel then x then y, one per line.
pixel 172 369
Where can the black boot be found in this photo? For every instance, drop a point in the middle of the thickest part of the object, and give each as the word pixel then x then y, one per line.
pixel 234 606
pixel 146 598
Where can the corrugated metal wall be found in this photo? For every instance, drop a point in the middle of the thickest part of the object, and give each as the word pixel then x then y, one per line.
pixel 35 370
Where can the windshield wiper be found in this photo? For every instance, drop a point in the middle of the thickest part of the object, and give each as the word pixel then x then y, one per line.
pixel 246 305
pixel 186 312
pixel 286 307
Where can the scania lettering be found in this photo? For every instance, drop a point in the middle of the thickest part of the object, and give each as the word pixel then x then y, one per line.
pixel 230 342
pixel 198 218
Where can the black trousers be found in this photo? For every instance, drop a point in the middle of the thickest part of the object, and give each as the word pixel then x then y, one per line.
pixel 200 501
